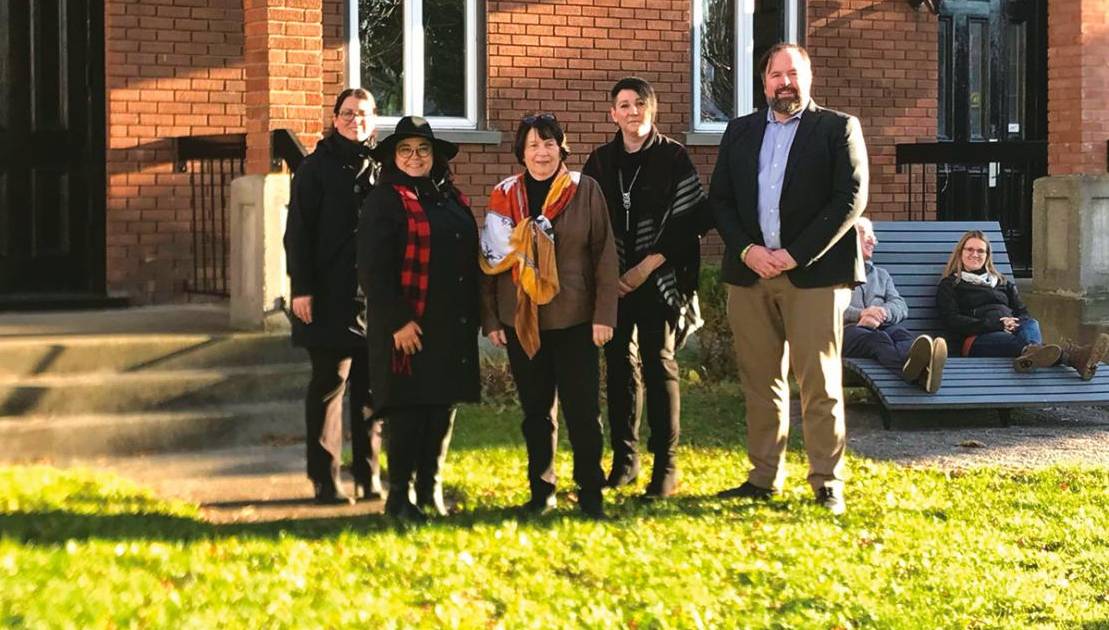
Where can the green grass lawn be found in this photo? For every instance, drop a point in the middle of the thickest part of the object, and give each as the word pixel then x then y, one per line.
pixel 916 549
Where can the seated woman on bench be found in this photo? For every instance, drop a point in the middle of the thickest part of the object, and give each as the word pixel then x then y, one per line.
pixel 981 309
pixel 872 325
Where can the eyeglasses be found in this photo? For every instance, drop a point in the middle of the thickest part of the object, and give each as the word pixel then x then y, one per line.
pixel 347 115
pixel 533 118
pixel 975 250
pixel 406 150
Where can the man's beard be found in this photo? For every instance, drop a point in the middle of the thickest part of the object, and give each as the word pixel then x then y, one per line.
pixel 789 103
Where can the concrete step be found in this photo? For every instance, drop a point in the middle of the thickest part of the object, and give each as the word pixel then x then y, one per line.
pixel 38 437
pixel 74 354
pixel 149 390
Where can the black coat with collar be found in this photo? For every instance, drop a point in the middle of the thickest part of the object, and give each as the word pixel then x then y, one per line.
pixel 327 193
pixel 665 164
pixel 823 192
pixel 445 371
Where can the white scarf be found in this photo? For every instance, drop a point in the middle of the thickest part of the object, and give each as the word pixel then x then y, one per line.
pixel 984 279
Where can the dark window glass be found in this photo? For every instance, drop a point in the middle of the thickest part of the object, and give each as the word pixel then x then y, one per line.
pixel 444 57
pixel 718 60
pixel 770 28
pixel 381 35
pixel 5 67
pixel 48 94
pixel 1017 52
pixel 943 102
pixel 978 80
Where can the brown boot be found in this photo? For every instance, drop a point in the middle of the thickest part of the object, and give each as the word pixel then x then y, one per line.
pixel 1036 355
pixel 920 355
pixel 932 376
pixel 1085 359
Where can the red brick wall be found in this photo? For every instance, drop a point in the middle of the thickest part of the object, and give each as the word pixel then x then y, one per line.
pixel 1078 86
pixel 879 62
pixel 283 55
pixel 174 68
pixel 563 57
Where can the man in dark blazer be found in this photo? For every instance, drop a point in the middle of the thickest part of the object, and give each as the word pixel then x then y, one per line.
pixel 789 182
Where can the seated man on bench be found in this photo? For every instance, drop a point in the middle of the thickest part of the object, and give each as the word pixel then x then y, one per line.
pixel 872 328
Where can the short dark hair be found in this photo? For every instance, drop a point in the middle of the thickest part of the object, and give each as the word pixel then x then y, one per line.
pixel 359 93
pixel 546 125
pixel 640 86
pixel 764 61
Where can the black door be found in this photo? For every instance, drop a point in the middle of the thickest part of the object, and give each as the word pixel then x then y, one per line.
pixel 993 87
pixel 52 159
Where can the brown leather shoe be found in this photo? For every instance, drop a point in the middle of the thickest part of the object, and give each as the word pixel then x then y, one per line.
pixel 920 355
pixel 1085 359
pixel 932 377
pixel 1035 356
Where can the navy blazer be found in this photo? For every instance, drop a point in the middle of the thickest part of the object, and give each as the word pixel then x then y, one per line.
pixel 824 191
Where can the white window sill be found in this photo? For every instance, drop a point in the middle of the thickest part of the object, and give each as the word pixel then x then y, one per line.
pixel 703 138
pixel 470 136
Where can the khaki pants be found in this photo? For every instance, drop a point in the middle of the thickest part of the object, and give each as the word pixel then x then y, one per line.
pixel 777 326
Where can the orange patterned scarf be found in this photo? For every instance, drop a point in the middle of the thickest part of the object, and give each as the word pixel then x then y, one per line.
pixel 512 239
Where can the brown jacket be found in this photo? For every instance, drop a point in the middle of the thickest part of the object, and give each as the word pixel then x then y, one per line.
pixel 587 270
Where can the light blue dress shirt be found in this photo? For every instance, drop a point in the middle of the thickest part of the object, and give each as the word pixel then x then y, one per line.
pixel 773 156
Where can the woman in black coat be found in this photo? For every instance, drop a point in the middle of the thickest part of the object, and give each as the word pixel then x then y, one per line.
pixel 417 264
pixel 985 317
pixel 329 312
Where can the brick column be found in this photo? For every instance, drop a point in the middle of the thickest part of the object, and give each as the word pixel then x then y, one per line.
pixel 1078 86
pixel 284 74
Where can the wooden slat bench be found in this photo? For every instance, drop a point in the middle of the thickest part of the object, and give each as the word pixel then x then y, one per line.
pixel 915 253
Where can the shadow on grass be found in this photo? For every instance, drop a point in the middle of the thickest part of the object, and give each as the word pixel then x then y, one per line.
pixel 57 527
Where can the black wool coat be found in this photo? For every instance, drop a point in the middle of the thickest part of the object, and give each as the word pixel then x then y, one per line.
pixel 445 371
pixel 970 309
pixel 666 164
pixel 320 246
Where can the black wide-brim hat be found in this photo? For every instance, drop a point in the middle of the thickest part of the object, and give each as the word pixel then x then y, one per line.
pixel 412 127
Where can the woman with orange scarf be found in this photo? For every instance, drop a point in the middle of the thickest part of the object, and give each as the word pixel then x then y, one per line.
pixel 550 298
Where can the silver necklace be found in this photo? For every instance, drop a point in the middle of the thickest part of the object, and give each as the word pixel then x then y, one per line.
pixel 626 197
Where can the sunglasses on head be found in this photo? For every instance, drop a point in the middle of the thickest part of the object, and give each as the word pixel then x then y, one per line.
pixel 533 118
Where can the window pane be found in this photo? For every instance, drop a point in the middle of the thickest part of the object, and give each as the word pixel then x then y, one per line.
pixel 5 72
pixel 444 58
pixel 978 79
pixel 770 28
pixel 1016 53
pixel 718 60
pixel 943 101
pixel 381 35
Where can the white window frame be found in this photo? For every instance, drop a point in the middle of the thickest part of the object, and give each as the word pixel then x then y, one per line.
pixel 414 65
pixel 744 51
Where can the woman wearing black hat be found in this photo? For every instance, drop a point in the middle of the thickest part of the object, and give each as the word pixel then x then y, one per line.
pixel 417 264
pixel 330 314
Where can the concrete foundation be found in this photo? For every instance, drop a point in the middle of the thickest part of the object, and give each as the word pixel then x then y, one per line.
pixel 1070 256
pixel 258 282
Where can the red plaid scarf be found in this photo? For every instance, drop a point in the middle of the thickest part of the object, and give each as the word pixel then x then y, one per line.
pixel 414 268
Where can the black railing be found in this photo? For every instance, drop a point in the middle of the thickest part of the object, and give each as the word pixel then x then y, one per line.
pixel 211 162
pixel 976 181
pixel 285 147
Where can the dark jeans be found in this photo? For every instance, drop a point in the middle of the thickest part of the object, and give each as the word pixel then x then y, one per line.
pixel 567 362
pixel 418 439
pixel 642 353
pixel 1003 344
pixel 888 345
pixel 332 370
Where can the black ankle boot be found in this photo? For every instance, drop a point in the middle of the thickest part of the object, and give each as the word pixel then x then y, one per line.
pixel 664 479
pixel 591 504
